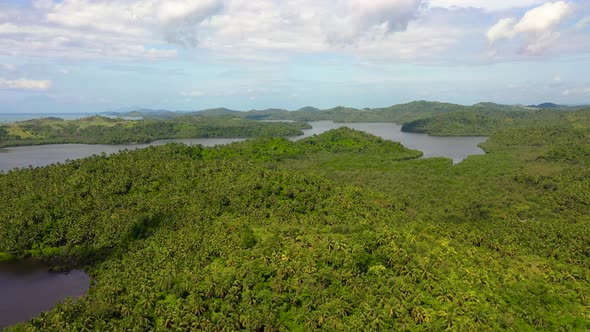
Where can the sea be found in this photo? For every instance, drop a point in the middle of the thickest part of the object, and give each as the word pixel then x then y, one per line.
pixel 15 117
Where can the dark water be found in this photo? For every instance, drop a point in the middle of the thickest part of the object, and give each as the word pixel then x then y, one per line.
pixel 27 289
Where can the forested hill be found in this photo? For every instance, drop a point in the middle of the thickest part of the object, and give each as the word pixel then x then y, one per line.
pixel 341 231
pixel 397 113
pixel 105 130
pixel 434 118
pixel 485 122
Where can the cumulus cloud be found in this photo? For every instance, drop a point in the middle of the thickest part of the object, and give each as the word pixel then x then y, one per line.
pixel 387 28
pixel 417 42
pixel 25 84
pixel 501 30
pixel 180 18
pixel 123 29
pixel 537 27
pixel 114 29
pixel 307 24
pixel 358 17
pixel 268 29
pixel 543 18
pixel 257 29
pixel 176 19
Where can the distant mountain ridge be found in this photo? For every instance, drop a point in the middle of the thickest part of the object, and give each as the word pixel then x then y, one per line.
pixel 503 107
pixel 552 106
pixel 215 111
pixel 400 113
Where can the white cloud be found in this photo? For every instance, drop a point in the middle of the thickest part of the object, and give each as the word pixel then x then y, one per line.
pixel 489 5
pixel 306 24
pixel 105 16
pixel 583 23
pixel 540 42
pixel 9 28
pixel 268 30
pixel 536 27
pixel 121 30
pixel 358 17
pixel 51 41
pixel 543 18
pixel 419 41
pixel 180 19
pixel 193 93
pixel 501 30
pixel 175 19
pixel 25 84
pixel 43 4
pixel 576 91
pixel 247 29
pixel 387 29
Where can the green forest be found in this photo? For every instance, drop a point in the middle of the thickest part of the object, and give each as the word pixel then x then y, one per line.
pixel 342 231
pixel 433 118
pixel 106 130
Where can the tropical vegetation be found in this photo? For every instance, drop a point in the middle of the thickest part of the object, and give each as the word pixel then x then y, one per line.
pixel 106 130
pixel 340 231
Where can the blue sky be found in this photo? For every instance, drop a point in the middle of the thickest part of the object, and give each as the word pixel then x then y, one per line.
pixel 103 55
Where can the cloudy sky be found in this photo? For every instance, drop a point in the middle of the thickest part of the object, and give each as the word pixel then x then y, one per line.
pixel 101 55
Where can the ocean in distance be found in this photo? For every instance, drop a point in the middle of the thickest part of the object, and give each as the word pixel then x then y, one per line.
pixel 15 117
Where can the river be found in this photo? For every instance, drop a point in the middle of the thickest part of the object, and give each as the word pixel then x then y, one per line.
pixel 456 148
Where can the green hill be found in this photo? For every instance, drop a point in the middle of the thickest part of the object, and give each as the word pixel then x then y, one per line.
pixel 105 130
pixel 482 121
pixel 217 112
pixel 341 231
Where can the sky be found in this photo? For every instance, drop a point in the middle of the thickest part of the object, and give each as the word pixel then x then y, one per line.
pixel 108 55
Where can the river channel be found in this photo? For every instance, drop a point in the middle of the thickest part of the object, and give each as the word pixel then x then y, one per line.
pixel 456 148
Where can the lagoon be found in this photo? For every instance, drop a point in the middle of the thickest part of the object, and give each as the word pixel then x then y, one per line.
pixel 456 148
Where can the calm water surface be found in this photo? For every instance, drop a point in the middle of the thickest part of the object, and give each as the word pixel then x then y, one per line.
pixel 42 155
pixel 27 289
pixel 456 148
